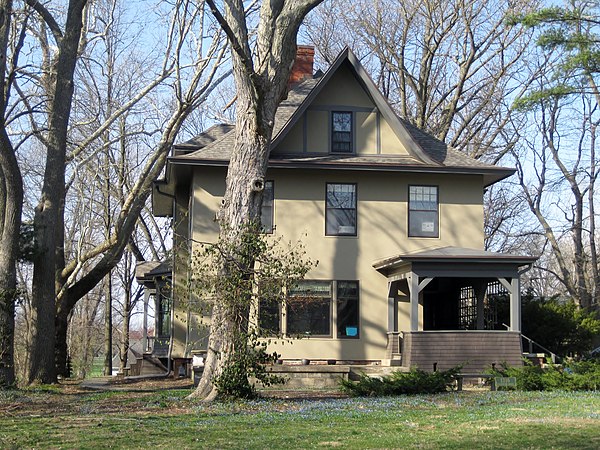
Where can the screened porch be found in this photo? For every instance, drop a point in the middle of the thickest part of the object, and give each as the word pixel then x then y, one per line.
pixel 454 306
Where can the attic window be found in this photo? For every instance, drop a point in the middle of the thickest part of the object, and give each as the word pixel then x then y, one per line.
pixel 341 132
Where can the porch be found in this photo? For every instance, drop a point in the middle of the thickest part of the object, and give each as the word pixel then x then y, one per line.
pixel 441 310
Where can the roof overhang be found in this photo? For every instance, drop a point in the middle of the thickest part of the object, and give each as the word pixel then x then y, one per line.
pixel 454 262
pixel 490 175
pixel 148 271
pixel 162 198
pixel 164 189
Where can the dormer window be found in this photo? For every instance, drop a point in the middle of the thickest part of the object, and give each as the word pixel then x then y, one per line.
pixel 341 132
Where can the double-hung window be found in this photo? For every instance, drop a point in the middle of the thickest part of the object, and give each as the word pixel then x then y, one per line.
pixel 310 306
pixel 309 309
pixel 266 214
pixel 423 215
pixel 347 309
pixel 164 310
pixel 269 317
pixel 341 132
pixel 340 209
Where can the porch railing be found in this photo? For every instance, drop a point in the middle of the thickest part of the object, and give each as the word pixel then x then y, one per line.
pixel 531 343
pixel 158 346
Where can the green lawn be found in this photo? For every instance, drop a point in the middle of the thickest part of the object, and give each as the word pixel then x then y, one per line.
pixel 498 420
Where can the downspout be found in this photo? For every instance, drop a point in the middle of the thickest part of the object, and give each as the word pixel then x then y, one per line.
pixel 171 336
pixel 170 353
pixel 187 334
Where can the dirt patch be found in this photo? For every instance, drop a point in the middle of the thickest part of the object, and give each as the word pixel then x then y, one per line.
pixel 152 384
pixel 74 398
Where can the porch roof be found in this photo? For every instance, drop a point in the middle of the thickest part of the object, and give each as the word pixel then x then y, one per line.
pixel 149 270
pixel 454 262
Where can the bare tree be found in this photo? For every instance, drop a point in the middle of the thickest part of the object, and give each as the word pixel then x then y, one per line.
pixel 558 161
pixel 557 172
pixel 61 35
pixel 449 68
pixel 261 79
pixel 192 84
pixel 11 199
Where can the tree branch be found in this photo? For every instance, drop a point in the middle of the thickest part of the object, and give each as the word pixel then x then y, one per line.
pixel 48 19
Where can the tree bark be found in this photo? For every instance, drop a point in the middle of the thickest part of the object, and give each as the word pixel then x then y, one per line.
pixel 11 200
pixel 261 83
pixel 10 220
pixel 204 80
pixel 107 371
pixel 47 219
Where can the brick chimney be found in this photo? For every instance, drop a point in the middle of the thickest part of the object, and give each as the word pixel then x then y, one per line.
pixel 303 65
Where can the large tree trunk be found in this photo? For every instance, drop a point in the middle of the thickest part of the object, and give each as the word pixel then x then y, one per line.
pixel 11 200
pixel 47 218
pixel 260 85
pixel 61 348
pixel 242 203
pixel 127 303
pixel 11 192
pixel 107 371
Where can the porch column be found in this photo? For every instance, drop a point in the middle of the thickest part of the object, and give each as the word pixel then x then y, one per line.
pixel 514 289
pixel 515 305
pixel 413 286
pixel 415 289
pixel 392 307
pixel 145 324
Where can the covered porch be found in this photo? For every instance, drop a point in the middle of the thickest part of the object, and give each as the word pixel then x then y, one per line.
pixel 442 308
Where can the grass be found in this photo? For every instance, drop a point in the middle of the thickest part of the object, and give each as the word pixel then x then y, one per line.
pixel 165 419
pixel 97 369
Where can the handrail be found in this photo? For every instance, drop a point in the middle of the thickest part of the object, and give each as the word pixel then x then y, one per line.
pixel 553 356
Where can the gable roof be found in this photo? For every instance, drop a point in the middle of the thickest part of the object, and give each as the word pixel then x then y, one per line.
pixel 426 153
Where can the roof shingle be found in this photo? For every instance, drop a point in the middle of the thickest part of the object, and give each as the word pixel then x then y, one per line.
pixel 215 145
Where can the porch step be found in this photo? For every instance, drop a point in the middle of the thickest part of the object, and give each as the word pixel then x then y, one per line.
pixel 393 348
pixel 392 362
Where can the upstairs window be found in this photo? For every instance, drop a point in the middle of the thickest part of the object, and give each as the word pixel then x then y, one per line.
pixel 423 215
pixel 266 214
pixel 341 132
pixel 340 209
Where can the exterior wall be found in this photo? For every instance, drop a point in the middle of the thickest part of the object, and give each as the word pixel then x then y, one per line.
pixel 366 132
pixel 372 135
pixel 317 135
pixel 179 317
pixel 343 89
pixel 294 141
pixel 390 143
pixel 381 232
pixel 475 350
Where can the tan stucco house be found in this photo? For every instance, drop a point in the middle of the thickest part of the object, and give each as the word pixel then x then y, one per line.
pixel 393 215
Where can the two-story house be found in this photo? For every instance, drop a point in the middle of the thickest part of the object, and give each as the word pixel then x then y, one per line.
pixel 393 215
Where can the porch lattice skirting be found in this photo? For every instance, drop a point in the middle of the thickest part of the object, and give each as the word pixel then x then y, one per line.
pixel 475 350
